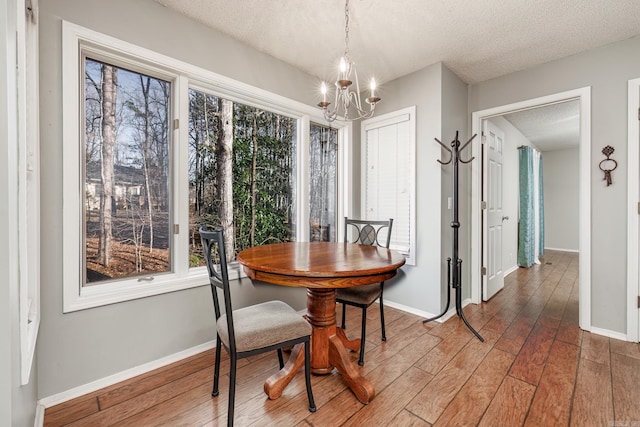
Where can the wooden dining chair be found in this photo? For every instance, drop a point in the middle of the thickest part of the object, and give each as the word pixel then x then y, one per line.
pixel 251 330
pixel 367 233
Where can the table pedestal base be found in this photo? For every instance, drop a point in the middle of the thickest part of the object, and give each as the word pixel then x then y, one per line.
pixel 329 346
pixel 276 383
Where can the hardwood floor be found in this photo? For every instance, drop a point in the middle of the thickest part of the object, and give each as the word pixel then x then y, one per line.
pixel 536 368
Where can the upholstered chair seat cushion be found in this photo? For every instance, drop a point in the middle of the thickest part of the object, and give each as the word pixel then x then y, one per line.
pixel 360 294
pixel 263 325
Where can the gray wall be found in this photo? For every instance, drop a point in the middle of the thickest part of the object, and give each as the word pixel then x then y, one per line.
pixel 421 284
pixel 606 70
pixel 561 199
pixel 80 347
pixel 440 98
pixel 454 119
pixel 17 402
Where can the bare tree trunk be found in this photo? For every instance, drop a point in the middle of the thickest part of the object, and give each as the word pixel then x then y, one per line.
pixel 137 239
pixel 146 153
pixel 197 184
pixel 109 92
pixel 199 160
pixel 225 175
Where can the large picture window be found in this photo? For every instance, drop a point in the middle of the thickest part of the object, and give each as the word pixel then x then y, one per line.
pixel 323 184
pixel 155 147
pixel 126 173
pixel 242 173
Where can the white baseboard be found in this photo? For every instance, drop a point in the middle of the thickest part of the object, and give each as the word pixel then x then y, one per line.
pixel 452 311
pixel 39 419
pixel 562 250
pixel 427 315
pixel 510 270
pixel 411 310
pixel 49 401
pixel 65 396
pixel 607 333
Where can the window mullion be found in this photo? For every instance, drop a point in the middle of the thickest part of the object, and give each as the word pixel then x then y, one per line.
pixel 345 176
pixel 180 181
pixel 302 232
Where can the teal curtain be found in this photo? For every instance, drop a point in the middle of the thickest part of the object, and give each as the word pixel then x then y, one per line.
pixel 526 224
pixel 540 210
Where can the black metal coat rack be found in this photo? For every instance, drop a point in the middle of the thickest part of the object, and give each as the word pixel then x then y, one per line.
pixel 454 273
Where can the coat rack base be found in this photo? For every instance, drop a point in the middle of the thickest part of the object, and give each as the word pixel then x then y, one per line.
pixel 458 304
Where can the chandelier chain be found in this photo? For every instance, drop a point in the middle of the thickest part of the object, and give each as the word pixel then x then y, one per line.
pixel 347 98
pixel 346 29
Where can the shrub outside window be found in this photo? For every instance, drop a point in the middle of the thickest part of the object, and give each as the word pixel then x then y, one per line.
pixel 242 174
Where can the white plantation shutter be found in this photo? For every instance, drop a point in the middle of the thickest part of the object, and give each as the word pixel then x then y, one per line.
pixel 388 176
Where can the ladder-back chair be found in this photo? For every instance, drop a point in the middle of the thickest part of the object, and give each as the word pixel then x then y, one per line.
pixel 367 233
pixel 247 331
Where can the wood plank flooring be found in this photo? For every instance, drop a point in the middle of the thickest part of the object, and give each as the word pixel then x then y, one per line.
pixel 535 368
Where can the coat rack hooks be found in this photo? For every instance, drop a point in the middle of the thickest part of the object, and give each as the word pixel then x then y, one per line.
pixel 454 272
pixel 455 143
pixel 446 148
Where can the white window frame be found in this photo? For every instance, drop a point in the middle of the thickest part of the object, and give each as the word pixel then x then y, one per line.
pixel 399 116
pixel 183 76
pixel 28 181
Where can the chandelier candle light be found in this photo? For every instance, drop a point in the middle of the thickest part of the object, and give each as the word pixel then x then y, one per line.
pixel 345 98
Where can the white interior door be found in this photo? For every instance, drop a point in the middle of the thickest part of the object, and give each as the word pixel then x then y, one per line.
pixel 493 139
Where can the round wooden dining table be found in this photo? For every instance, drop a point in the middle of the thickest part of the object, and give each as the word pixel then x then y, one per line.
pixel 321 267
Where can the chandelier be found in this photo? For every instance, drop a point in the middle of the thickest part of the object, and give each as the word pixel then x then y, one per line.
pixel 345 98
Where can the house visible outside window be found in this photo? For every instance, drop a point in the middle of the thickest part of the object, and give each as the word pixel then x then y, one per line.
pixel 162 147
pixel 126 173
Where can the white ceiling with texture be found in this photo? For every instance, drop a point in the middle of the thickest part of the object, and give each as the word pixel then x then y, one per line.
pixel 551 127
pixel 477 40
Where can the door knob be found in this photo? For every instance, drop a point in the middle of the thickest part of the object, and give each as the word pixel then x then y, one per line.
pixel 505 218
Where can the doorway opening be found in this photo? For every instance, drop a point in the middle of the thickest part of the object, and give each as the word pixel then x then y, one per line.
pixel 523 151
pixel 479 250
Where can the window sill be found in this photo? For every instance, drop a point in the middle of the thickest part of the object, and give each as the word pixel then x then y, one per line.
pixel 112 293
